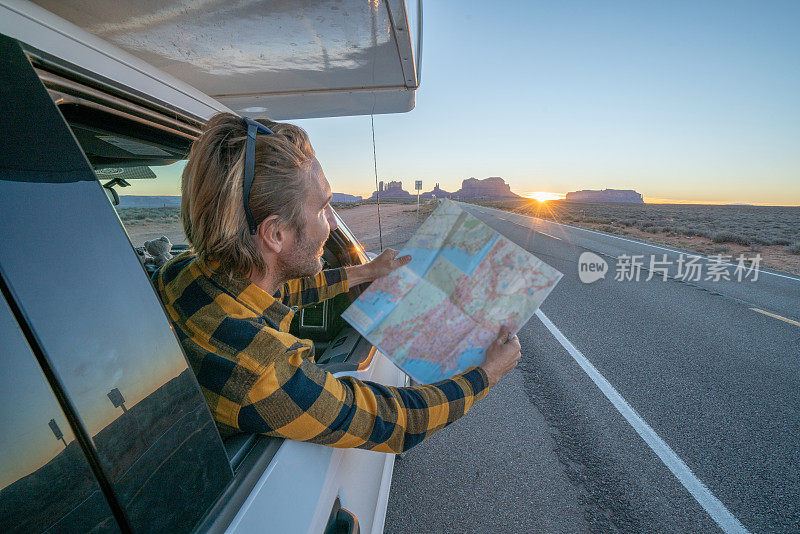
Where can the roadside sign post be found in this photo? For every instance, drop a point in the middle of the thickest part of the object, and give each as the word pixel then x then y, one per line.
pixel 418 187
pixel 116 398
pixel 57 431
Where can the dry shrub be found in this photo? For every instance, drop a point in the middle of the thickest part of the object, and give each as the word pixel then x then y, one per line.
pixel 729 237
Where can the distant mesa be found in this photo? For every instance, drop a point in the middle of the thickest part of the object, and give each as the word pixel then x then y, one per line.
pixel 606 195
pixel 344 198
pixel 391 190
pixel 471 188
pixel 437 192
pixel 145 201
pixel 492 187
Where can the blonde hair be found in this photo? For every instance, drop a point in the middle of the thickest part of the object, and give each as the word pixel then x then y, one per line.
pixel 212 209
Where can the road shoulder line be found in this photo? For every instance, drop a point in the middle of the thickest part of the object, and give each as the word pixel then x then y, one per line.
pixel 718 512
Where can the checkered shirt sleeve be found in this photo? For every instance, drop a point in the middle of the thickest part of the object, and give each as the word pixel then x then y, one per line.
pixel 306 291
pixel 295 399
pixel 260 379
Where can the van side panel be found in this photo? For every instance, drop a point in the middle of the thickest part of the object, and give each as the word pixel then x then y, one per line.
pixel 98 324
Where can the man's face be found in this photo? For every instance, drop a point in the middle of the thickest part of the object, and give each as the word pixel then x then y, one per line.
pixel 303 257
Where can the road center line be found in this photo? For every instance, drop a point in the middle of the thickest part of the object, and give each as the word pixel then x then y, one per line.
pixel 726 521
pixel 548 235
pixel 527 227
pixel 776 316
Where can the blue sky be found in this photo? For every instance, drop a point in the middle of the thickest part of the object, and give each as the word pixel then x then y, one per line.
pixel 687 101
pixel 678 100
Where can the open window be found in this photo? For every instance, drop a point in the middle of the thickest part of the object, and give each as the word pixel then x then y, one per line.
pixel 337 345
pixel 137 150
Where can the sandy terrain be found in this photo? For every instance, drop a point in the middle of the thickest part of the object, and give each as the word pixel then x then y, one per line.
pixel 141 231
pixel 772 256
pixel 771 230
pixel 398 223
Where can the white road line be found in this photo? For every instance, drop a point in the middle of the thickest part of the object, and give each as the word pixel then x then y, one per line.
pixel 527 227
pixel 726 521
pixel 532 230
pixel 761 271
pixel 548 235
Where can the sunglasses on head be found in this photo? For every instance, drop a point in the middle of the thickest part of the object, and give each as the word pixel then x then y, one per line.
pixel 253 128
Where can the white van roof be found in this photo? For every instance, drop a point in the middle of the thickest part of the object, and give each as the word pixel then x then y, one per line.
pixel 285 59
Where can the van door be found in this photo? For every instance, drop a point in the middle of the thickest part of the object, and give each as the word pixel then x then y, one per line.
pixel 75 278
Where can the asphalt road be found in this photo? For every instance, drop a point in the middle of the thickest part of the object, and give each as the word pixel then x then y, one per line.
pixel 646 406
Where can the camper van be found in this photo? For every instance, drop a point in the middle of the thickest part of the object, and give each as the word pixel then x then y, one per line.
pixel 104 426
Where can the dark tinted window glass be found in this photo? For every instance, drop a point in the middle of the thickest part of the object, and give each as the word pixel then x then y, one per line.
pixel 88 299
pixel 45 481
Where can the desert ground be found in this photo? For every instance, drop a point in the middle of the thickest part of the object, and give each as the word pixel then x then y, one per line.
pixel 771 231
pixel 144 224
pixel 729 230
pixel 398 223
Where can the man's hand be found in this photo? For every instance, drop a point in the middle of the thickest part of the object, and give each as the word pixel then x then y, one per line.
pixel 386 262
pixel 501 356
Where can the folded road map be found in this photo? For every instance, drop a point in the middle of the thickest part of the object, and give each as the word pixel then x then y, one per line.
pixel 435 316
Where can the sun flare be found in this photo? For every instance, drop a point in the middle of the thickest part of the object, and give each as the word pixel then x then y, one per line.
pixel 544 196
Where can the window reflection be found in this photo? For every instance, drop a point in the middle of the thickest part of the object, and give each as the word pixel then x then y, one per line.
pixel 107 338
pixel 45 481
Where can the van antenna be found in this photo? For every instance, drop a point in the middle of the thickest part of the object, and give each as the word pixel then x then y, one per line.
pixel 377 189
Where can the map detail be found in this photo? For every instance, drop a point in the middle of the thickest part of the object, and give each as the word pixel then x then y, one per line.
pixel 435 316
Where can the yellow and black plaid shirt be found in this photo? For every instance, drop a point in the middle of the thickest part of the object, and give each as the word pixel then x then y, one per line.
pixel 257 377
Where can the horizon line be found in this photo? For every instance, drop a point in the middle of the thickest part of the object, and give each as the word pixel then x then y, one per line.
pixel 647 200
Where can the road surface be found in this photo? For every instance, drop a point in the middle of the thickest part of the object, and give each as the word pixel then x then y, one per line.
pixel 639 406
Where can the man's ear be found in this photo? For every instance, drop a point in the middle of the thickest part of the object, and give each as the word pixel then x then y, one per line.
pixel 272 234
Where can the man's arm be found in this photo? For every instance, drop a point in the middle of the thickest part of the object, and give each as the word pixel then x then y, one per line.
pixel 329 283
pixel 297 400
pixel 312 289
pixel 256 379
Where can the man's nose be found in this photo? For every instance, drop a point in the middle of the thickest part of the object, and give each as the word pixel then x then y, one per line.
pixel 332 219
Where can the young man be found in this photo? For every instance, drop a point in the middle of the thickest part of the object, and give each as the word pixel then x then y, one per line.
pixel 256 208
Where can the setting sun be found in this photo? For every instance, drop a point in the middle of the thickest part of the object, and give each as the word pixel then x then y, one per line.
pixel 544 196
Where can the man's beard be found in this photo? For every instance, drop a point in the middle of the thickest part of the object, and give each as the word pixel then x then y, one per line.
pixel 302 261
